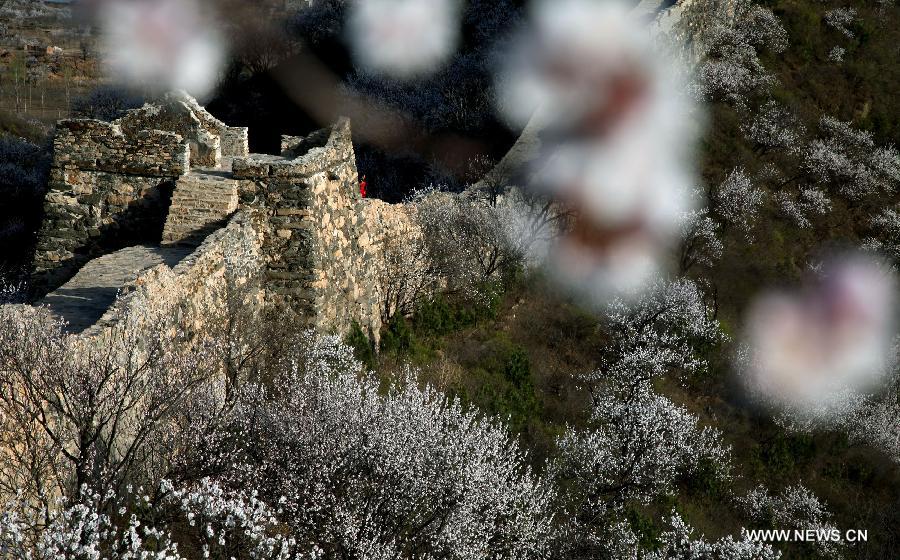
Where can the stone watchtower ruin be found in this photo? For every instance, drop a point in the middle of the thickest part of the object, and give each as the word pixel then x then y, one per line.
pixel 167 193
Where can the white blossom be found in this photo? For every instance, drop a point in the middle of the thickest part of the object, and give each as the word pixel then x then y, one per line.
pixel 729 67
pixel 887 239
pixel 700 242
pixel 840 19
pixel 638 443
pixel 382 475
pixel 811 201
pixel 678 543
pixel 759 26
pixel 657 334
pixel 813 352
pixel 103 525
pixel 850 160
pixel 795 507
pixel 836 54
pixel 617 128
pixel 165 44
pixel 876 421
pixel 468 239
pixel 738 201
pixel 774 126
pixel 403 38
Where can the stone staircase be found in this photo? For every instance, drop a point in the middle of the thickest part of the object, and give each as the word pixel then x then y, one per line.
pixel 202 203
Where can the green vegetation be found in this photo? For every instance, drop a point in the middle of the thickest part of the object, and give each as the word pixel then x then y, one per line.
pixel 363 349
pixel 519 361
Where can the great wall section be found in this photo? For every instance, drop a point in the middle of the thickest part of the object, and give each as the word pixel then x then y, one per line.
pixel 168 203
pixel 166 207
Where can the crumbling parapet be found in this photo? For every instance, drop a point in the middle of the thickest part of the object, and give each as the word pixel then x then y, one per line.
pixel 195 295
pixel 176 117
pixel 314 264
pixel 209 138
pixel 107 189
pixel 234 139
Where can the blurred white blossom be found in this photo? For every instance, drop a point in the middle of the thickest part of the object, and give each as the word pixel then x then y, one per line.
pixel 403 38
pixel 811 351
pixel 162 44
pixel 617 133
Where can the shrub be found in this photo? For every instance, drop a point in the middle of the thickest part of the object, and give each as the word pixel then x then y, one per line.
pixel 106 103
pixel 362 346
pixel 398 337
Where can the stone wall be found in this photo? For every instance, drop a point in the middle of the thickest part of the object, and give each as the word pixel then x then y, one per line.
pixel 175 116
pixel 195 293
pixel 324 244
pixel 389 235
pixel 107 189
pixel 210 139
pixel 235 140
pixel 297 195
pixel 178 303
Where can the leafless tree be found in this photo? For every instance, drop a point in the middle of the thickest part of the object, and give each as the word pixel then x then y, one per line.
pixel 88 410
pixel 408 274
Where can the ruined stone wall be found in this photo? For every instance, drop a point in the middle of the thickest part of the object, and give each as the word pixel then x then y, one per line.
pixel 181 303
pixel 206 150
pixel 107 190
pixel 289 191
pixel 195 294
pixel 234 139
pixel 209 138
pixel 324 244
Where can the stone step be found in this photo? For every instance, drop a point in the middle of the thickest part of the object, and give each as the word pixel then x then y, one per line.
pixel 212 203
pixel 199 185
pixel 204 203
pixel 200 205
